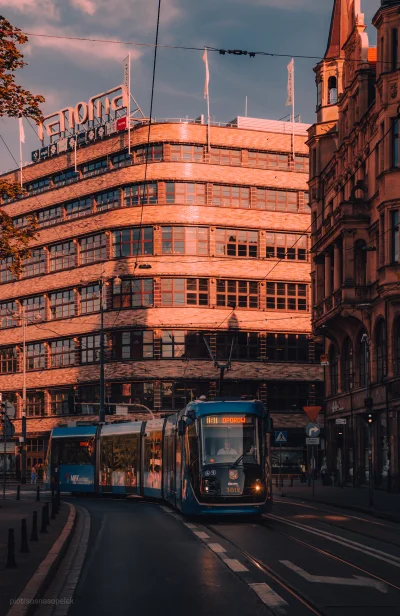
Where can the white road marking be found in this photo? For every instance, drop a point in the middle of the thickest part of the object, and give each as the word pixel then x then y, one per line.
pixel 191 526
pixel 358 580
pixel 234 564
pixel 358 547
pixel 270 597
pixel 216 547
pixel 201 535
pixel 167 509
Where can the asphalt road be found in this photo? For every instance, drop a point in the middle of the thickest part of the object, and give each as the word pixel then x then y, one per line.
pixel 146 559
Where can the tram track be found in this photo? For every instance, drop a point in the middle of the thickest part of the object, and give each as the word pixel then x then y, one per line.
pixel 273 575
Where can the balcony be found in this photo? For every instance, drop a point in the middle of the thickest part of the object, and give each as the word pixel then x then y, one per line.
pixel 344 298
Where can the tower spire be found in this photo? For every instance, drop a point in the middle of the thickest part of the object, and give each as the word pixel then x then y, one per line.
pixel 339 30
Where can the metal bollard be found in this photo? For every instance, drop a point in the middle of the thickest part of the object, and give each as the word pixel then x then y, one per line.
pixel 47 514
pixel 43 528
pixel 24 538
pixel 18 491
pixel 38 493
pixel 11 564
pixel 53 509
pixel 34 535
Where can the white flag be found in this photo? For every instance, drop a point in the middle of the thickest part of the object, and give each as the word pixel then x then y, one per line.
pixel 21 131
pixel 290 98
pixel 126 73
pixel 205 58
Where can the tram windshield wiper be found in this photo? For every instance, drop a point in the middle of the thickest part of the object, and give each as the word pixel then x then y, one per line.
pixel 240 458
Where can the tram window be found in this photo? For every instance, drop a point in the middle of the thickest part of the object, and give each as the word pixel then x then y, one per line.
pixel 223 443
pixel 73 451
pixel 152 460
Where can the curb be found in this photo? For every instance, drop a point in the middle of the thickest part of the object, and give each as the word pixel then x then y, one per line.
pixel 372 512
pixel 38 583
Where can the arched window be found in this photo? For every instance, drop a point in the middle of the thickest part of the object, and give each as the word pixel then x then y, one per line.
pixel 332 90
pixel 380 349
pixel 333 366
pixel 362 359
pixel 347 365
pixel 396 346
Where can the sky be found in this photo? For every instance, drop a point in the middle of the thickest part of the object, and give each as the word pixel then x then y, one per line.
pixel 66 71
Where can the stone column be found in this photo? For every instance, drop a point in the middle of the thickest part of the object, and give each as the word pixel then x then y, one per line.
pixel 337 264
pixel 328 274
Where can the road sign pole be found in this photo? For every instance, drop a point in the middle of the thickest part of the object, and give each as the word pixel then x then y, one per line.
pixel 313 469
pixel 280 466
pixel 5 449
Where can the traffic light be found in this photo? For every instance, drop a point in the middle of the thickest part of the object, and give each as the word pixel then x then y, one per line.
pixel 370 417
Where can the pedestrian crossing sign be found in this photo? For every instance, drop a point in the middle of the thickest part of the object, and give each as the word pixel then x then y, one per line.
pixel 281 436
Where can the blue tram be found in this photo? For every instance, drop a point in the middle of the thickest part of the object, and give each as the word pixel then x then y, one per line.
pixel 210 458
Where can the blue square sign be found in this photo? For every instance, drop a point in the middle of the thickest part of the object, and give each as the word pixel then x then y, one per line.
pixel 280 436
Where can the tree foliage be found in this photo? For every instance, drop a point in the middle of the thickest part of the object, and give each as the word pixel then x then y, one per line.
pixel 15 102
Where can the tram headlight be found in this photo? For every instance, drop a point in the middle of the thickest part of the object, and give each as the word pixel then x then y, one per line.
pixel 258 486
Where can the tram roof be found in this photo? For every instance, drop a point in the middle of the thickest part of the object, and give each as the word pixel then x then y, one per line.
pixel 227 406
pixel 73 431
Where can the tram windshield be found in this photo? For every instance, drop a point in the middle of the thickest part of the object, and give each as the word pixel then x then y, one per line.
pixel 76 450
pixel 229 439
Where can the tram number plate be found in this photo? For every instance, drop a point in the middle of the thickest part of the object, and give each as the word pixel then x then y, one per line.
pixel 233 490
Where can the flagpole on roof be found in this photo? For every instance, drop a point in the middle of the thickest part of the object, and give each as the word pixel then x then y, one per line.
pixel 207 96
pixel 290 100
pixel 21 141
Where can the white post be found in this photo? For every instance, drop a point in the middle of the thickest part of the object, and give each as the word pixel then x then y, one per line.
pixel 245 112
pixel 20 154
pixel 23 360
pixel 76 169
pixel 129 104
pixel 293 114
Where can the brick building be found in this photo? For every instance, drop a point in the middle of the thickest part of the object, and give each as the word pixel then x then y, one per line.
pixel 191 245
pixel 355 191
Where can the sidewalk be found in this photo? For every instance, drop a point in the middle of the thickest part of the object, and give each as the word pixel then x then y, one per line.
pixel 385 505
pixel 13 581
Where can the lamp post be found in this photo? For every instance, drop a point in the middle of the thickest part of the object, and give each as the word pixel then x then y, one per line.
pixel 102 411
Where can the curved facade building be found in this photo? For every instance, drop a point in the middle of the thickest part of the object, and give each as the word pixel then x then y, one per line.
pixel 192 246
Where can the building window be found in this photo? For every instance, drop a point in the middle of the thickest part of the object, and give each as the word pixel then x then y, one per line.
pixel 132 242
pixel 22 222
pixel 396 346
pixel 236 243
pixel 283 398
pixel 90 349
pixel 184 292
pixel 133 393
pixel 35 405
pixel 5 272
pixel 276 200
pixel 333 370
pixel 62 353
pixel 94 168
pixel 62 304
pixel 150 153
pixel 302 164
pixel 133 293
pixel 221 156
pixel 347 365
pixel 231 196
pixel 395 236
pixel 50 216
pixel 183 192
pixel 192 153
pixel 9 315
pixel 184 240
pixel 286 246
pixel 266 160
pixel 380 349
pixel 61 401
pixel 90 299
pixel 133 344
pixel 35 444
pixel 195 347
pixel 395 49
pixel 237 293
pixel 62 256
pixel 362 362
pixel 38 186
pixel 8 360
pixel 245 346
pixel 395 143
pixel 319 93
pixel 65 177
pixel 141 194
pixel 34 308
pixel 122 159
pixel 332 90
pixel 35 264
pixel 35 356
pixel 172 343
pixel 286 296
pixel 107 200
pixel 175 396
pixel 79 208
pixel 287 347
pixel 93 248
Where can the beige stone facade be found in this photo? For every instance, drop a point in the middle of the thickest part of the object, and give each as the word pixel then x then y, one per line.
pixel 192 245
pixel 355 191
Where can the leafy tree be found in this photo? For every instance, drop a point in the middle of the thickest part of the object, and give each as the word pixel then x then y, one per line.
pixel 15 102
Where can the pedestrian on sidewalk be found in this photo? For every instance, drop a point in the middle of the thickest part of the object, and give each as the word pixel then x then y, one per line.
pixel 303 473
pixel 33 474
